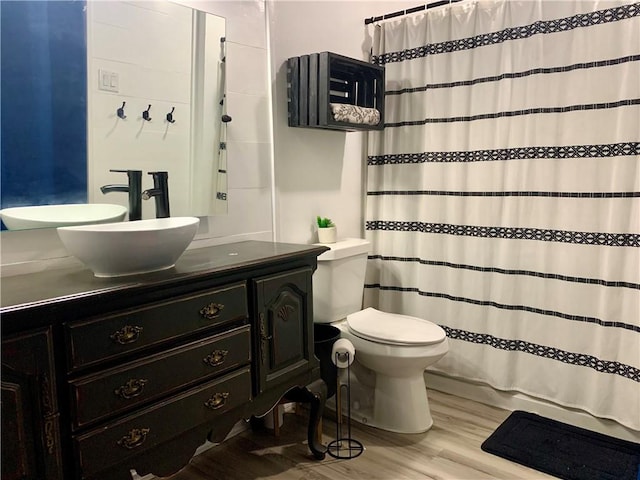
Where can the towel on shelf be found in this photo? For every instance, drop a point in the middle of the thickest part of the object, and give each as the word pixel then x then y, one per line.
pixel 353 114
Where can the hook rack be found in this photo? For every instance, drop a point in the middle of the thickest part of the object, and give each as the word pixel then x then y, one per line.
pixel 145 114
pixel 120 111
pixel 170 116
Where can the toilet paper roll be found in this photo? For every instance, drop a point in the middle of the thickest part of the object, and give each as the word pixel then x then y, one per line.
pixel 342 353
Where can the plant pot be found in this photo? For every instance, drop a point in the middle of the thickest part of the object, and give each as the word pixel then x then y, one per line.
pixel 327 235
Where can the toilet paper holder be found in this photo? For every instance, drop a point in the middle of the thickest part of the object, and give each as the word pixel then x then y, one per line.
pixel 344 447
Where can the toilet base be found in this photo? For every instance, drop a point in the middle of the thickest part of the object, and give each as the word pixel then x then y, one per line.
pixel 397 405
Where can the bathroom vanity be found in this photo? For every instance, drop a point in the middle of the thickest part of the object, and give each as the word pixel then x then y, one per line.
pixel 101 376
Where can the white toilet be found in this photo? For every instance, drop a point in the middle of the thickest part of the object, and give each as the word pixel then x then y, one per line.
pixel 391 351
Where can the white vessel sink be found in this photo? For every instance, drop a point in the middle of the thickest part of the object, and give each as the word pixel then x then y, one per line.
pixel 43 216
pixel 128 248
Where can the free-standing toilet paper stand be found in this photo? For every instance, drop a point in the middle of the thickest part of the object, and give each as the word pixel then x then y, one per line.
pixel 343 447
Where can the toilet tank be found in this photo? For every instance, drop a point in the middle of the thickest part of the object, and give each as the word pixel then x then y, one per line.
pixel 338 283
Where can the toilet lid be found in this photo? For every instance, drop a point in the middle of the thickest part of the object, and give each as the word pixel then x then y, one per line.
pixel 394 329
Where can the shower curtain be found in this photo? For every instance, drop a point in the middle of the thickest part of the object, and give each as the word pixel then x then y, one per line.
pixel 503 195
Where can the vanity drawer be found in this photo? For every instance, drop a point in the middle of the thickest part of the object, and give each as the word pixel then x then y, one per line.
pixel 111 336
pixel 115 390
pixel 117 441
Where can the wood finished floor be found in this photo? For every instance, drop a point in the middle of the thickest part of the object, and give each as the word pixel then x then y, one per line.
pixel 449 451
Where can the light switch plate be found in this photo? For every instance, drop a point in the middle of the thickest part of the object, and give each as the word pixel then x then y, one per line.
pixel 108 81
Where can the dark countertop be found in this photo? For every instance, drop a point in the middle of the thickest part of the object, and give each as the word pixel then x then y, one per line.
pixel 71 281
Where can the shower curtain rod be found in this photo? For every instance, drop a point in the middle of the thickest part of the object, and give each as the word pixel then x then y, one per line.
pixel 400 13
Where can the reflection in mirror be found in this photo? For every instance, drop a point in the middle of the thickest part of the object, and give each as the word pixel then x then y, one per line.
pixel 91 87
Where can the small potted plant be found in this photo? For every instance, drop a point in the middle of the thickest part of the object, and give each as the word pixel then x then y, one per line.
pixel 326 230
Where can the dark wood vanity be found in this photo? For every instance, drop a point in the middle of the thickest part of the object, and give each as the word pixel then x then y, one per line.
pixel 101 376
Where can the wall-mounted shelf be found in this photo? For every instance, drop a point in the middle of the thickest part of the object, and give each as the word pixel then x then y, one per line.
pixel 331 91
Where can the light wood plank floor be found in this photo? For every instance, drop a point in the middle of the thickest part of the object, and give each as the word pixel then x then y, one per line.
pixel 449 451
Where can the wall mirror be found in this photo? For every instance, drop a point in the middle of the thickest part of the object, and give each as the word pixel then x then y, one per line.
pixel 88 87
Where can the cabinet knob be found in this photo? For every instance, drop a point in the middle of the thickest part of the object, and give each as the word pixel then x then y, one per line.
pixel 131 389
pixel 127 334
pixel 215 358
pixel 212 310
pixel 217 401
pixel 134 438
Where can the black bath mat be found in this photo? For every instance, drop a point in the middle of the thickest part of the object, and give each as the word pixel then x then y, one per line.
pixel 562 450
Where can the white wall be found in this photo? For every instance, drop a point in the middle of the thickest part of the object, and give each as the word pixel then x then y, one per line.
pixel 318 172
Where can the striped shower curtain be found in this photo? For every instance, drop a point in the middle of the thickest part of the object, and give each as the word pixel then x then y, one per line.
pixel 503 196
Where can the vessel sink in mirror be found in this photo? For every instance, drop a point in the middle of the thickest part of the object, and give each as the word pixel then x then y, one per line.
pixel 93 86
pixel 129 248
pixel 48 216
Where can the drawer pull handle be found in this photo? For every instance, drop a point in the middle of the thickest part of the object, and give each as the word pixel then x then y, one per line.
pixel 126 334
pixel 134 438
pixel 211 311
pixel 264 339
pixel 215 358
pixel 131 389
pixel 217 401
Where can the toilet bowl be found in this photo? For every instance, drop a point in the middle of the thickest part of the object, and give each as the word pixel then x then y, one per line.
pixel 388 387
pixel 392 351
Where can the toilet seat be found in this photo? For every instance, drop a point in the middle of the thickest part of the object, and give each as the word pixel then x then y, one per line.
pixel 394 329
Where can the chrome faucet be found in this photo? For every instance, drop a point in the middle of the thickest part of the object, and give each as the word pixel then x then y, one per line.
pixel 160 192
pixel 134 187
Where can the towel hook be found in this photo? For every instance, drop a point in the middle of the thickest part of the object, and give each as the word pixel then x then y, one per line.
pixel 120 111
pixel 145 114
pixel 170 116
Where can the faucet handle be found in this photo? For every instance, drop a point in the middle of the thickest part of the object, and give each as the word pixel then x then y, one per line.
pixel 159 178
pixel 124 171
pixel 160 191
pixel 135 176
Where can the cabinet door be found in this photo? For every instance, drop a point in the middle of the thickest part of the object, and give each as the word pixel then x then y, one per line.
pixel 30 425
pixel 283 327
